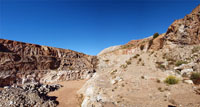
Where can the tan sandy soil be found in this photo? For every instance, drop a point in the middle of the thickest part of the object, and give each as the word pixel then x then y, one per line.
pixel 67 95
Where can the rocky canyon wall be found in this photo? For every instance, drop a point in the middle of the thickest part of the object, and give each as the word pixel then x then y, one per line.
pixel 22 62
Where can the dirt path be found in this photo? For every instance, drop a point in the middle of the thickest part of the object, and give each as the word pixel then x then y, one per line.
pixel 67 96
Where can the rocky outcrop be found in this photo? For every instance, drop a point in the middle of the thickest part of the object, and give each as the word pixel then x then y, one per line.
pixel 186 30
pixel 22 62
pixel 29 95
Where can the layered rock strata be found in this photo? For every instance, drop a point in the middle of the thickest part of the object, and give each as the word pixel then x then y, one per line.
pixel 22 62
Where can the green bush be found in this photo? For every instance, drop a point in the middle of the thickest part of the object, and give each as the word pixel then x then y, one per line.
pixel 171 80
pixel 178 63
pixel 195 77
pixel 155 35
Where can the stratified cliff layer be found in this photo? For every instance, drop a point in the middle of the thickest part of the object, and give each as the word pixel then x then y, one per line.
pixel 22 62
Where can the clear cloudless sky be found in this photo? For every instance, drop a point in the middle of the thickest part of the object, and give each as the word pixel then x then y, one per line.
pixel 88 26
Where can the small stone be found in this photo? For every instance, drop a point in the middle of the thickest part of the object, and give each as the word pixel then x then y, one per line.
pixel 188 81
pixel 167 94
pixel 113 82
pixel 11 102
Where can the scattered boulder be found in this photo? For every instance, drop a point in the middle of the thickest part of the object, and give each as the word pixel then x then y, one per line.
pixel 188 81
pixel 185 66
pixel 186 71
pixel 28 95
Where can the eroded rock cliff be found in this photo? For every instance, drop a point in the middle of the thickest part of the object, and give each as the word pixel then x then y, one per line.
pixel 22 62
pixel 186 30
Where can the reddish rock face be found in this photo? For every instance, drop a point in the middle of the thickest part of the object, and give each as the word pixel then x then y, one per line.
pixel 185 31
pixel 18 59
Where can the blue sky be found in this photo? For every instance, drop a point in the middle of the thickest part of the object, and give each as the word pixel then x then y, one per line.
pixel 88 26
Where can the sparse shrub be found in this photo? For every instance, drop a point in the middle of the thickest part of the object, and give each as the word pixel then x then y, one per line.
pixel 160 66
pixel 158 81
pixel 106 60
pixel 195 77
pixel 196 49
pixel 178 72
pixel 160 89
pixel 166 89
pixel 164 56
pixel 127 46
pixel 141 47
pixel 180 62
pixel 128 62
pixel 71 68
pixel 171 80
pixel 142 77
pixel 155 35
pixel 171 61
pixel 136 56
pixel 113 72
pixel 151 52
pixel 139 60
pixel 123 66
pixel 150 43
pixel 143 64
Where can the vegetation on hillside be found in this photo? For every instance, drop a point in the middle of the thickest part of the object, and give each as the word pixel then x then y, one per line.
pixel 195 77
pixel 171 80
